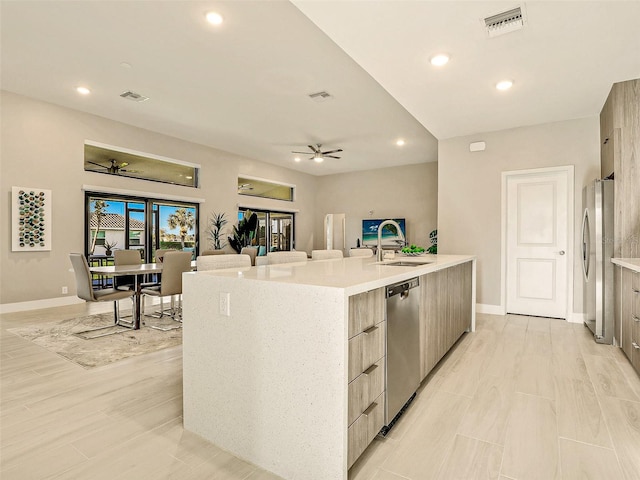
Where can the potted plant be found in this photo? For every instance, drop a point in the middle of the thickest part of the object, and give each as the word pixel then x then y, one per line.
pixel 214 230
pixel 108 247
pixel 244 234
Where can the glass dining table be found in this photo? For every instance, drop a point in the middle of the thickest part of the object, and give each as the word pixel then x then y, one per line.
pixel 138 271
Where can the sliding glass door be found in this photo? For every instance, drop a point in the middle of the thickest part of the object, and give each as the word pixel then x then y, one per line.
pixel 275 230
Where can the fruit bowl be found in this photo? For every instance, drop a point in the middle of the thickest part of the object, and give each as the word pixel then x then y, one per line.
pixel 412 254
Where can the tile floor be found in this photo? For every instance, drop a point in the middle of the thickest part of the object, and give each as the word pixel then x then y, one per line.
pixel 521 398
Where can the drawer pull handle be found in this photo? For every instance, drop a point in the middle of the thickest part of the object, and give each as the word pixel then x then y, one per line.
pixel 636 319
pixel 636 346
pixel 370 370
pixel 370 330
pixel 371 407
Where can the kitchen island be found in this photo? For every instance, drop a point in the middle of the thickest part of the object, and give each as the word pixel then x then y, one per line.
pixel 284 364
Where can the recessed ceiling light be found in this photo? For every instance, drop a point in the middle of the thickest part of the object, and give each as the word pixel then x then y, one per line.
pixel 400 142
pixel 188 177
pixel 297 159
pixel 214 18
pixel 83 90
pixel 504 85
pixel 439 60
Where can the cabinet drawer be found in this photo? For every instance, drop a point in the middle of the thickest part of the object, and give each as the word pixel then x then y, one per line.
pixel 362 432
pixel 357 436
pixel 635 281
pixel 375 418
pixel 635 304
pixel 365 310
pixel 373 345
pixel 363 391
pixel 366 349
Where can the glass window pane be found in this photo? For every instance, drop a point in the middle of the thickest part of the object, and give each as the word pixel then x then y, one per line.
pixel 265 189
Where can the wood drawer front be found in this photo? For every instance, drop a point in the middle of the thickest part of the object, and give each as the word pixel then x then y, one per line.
pixel 635 281
pixel 373 345
pixel 357 437
pixel 366 310
pixel 365 389
pixel 366 349
pixel 635 304
pixel 362 432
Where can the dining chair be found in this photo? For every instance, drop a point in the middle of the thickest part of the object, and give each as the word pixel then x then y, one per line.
pixel 174 264
pixel 293 256
pixel 361 252
pixel 326 254
pixel 125 257
pixel 218 262
pixel 85 291
pixel 213 252
pixel 158 256
pixel 252 252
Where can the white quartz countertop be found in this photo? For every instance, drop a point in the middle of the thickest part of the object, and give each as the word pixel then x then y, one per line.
pixel 630 263
pixel 353 274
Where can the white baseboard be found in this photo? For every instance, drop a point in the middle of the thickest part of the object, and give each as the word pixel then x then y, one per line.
pixel 490 309
pixel 38 304
pixel 575 317
pixel 96 307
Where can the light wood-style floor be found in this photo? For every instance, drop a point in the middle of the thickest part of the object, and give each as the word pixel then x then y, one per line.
pixel 520 398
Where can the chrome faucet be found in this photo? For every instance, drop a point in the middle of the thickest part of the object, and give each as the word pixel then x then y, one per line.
pixel 380 227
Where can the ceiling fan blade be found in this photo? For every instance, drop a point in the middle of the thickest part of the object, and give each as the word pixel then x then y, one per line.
pixel 332 151
pixel 331 156
pixel 315 149
pixel 94 163
pixel 303 153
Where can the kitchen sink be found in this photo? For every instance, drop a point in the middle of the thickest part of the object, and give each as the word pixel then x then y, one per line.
pixel 403 263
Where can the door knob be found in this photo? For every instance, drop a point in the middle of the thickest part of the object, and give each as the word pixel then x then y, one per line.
pixel 561 252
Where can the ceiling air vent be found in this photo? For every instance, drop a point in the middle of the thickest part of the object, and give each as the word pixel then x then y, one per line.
pixel 133 96
pixel 504 22
pixel 320 96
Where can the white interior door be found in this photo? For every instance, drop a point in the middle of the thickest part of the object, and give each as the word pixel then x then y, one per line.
pixel 536 235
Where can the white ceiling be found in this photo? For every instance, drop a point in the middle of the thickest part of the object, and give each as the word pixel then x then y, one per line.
pixel 242 87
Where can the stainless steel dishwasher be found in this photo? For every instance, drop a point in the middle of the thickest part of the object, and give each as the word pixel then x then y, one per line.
pixel 403 348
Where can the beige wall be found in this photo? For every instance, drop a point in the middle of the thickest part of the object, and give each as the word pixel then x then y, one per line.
pixel 469 189
pixel 401 192
pixel 42 145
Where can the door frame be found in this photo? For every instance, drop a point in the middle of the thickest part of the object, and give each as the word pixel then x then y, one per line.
pixel 569 170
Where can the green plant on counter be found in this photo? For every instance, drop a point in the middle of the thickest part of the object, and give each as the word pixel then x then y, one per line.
pixel 433 238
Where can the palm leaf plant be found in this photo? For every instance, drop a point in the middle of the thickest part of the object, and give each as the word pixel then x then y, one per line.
pixel 245 233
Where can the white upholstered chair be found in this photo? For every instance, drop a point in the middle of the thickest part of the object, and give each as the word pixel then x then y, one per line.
pixel 219 262
pixel 252 252
pixel 326 254
pixel 293 256
pixel 213 252
pixel 361 252
pixel 85 291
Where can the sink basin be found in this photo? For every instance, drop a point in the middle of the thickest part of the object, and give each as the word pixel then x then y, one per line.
pixel 402 263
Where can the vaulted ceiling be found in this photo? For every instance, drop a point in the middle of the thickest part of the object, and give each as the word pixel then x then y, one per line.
pixel 244 85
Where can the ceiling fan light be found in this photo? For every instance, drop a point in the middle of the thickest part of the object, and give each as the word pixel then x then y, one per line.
pixel 318 158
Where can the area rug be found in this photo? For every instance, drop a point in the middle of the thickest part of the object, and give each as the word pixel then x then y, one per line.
pixel 59 337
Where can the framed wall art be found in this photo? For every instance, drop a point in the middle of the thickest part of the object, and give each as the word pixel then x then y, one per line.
pixel 30 219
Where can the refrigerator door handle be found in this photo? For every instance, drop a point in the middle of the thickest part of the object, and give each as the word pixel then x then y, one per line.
pixel 585 245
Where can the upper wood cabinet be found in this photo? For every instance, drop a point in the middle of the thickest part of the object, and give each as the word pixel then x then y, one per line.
pixel 620 154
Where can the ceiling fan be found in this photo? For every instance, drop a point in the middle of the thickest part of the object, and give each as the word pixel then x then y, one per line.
pixel 318 155
pixel 114 168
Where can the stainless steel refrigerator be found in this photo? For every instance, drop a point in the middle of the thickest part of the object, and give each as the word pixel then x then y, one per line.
pixel 597 250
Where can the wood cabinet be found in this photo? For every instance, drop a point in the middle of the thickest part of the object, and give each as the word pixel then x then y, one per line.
pixel 367 347
pixel 630 315
pixel 445 312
